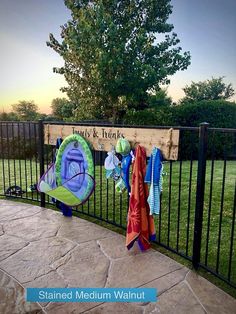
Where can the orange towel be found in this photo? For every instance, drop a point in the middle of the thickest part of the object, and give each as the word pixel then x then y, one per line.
pixel 140 223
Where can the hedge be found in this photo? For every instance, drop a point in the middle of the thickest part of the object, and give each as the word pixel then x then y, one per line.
pixel 219 114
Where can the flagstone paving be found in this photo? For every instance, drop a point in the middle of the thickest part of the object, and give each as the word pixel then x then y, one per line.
pixel 42 248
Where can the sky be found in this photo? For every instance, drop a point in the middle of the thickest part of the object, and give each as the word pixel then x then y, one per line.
pixel 206 28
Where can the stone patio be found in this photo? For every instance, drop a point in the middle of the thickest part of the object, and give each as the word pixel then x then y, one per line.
pixel 42 248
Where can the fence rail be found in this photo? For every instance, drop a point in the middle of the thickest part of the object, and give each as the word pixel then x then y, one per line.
pixel 198 203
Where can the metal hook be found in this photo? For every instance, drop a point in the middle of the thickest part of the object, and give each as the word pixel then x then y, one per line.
pixel 112 147
pixel 100 146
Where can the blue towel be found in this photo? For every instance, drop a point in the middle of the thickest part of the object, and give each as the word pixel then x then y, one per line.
pixel 154 167
pixel 154 178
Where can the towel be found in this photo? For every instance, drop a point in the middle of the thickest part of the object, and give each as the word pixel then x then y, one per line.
pixel 154 167
pixel 140 224
pixel 154 177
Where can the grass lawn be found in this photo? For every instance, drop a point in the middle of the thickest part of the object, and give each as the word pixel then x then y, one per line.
pixel 175 224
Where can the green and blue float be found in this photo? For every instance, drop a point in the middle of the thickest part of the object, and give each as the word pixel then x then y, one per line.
pixel 70 179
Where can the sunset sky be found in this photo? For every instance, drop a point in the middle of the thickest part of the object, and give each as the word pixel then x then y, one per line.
pixel 207 28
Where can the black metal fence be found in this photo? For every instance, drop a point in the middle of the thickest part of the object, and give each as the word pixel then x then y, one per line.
pixel 198 203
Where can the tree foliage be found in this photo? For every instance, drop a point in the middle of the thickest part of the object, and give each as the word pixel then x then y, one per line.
pixel 8 116
pixel 213 89
pixel 62 108
pixel 115 53
pixel 159 99
pixel 26 110
pixel 219 113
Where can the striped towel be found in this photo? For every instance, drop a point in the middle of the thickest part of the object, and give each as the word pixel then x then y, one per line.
pixel 155 185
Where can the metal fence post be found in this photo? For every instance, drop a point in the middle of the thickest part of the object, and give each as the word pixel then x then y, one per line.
pixel 200 193
pixel 41 156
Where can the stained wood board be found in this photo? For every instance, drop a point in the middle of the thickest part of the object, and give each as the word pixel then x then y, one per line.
pixel 102 138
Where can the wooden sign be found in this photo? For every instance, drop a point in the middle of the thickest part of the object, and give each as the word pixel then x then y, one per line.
pixel 103 138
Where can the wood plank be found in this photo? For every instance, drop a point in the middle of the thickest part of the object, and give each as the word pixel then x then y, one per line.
pixel 102 138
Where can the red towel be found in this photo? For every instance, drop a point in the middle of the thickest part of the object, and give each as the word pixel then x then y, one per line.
pixel 140 223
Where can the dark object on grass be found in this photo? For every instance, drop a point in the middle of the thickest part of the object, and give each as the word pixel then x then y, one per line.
pixel 32 188
pixel 14 190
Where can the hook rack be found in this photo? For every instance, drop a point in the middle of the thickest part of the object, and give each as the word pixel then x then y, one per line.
pixel 104 138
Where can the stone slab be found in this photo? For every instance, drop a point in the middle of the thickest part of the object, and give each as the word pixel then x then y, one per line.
pixel 12 297
pixel 27 212
pixel 212 298
pixel 6 202
pixel 67 308
pixel 178 300
pixel 168 281
pixel 32 228
pixel 134 271
pixel 10 245
pixel 50 280
pixel 83 232
pixel 10 212
pixel 7 212
pixel 115 247
pixel 117 308
pixel 85 266
pixel 58 217
pixel 35 259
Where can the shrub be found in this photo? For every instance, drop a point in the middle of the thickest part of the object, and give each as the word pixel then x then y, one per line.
pixel 219 114
pixel 162 116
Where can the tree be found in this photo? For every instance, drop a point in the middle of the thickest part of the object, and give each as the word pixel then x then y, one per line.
pixel 26 110
pixel 8 116
pixel 159 99
pixel 213 89
pixel 114 55
pixel 62 108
